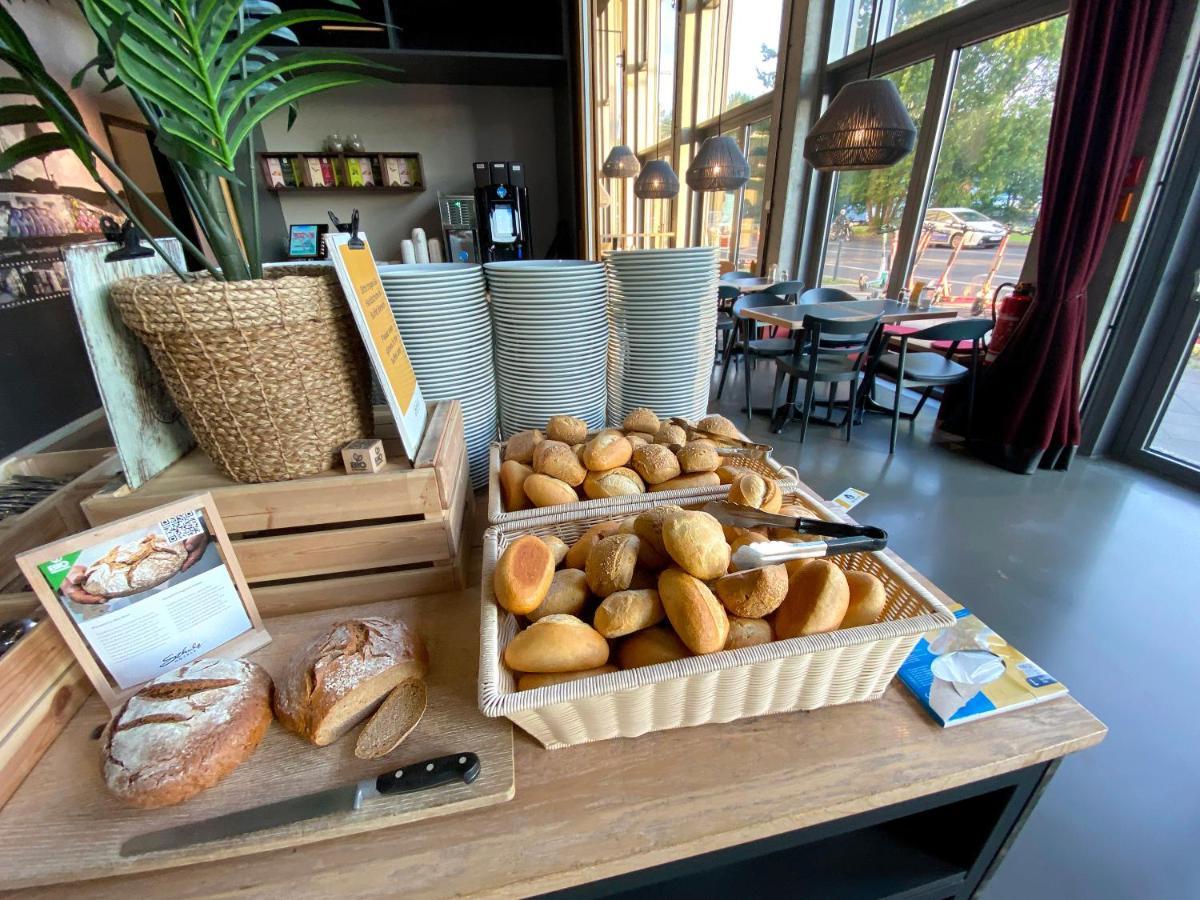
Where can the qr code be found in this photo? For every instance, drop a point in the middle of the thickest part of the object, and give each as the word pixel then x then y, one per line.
pixel 181 527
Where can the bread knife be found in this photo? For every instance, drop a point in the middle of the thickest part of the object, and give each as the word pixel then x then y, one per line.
pixel 347 798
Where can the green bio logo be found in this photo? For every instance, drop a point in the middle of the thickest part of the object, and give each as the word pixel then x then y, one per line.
pixel 55 571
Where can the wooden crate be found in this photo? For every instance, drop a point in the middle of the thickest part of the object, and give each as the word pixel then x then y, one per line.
pixel 59 514
pixel 357 538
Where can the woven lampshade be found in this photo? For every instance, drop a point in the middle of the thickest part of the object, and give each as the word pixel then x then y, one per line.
pixel 865 127
pixel 658 181
pixel 719 166
pixel 621 163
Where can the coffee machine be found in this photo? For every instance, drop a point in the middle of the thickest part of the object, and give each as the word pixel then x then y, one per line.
pixel 502 207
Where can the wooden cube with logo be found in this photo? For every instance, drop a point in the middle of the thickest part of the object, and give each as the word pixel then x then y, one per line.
pixel 364 455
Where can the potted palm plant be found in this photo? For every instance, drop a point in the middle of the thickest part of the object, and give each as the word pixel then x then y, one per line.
pixel 265 366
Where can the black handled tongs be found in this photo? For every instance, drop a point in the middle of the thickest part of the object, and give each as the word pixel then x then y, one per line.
pixel 846 538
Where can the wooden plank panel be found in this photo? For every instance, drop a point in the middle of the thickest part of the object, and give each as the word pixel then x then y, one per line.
pixel 435 434
pixel 341 549
pixel 27 670
pixel 452 449
pixel 16 604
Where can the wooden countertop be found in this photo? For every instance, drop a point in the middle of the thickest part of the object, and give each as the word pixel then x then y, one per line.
pixel 599 810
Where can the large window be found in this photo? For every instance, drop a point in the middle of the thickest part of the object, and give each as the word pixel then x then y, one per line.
pixel 852 20
pixel 753 49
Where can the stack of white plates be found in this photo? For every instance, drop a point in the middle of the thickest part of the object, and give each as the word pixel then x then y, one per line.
pixel 551 335
pixel 662 312
pixel 441 310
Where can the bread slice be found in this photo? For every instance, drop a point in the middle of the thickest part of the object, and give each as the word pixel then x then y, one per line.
pixel 393 721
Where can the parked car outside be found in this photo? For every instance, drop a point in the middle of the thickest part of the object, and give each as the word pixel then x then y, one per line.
pixel 953 224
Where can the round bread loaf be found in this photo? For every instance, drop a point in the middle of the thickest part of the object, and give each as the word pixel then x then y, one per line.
pixel 558 547
pixel 133 567
pixel 753 593
pixel 523 574
pixel 186 730
pixel 715 424
pixel 655 463
pixel 628 611
pixel 611 563
pixel 698 456
pixel 650 647
pixel 649 525
pixel 556 643
pixel 546 490
pixel 520 446
pixel 817 599
pixel 695 614
pixel 748 489
pixel 344 674
pixel 607 450
pixel 867 599
pixel 669 433
pixel 641 419
pixel 618 482
pixel 577 556
pixel 531 680
pixel 697 544
pixel 556 459
pixel 568 594
pixel 512 485
pixel 747 632
pixel 695 480
pixel 568 429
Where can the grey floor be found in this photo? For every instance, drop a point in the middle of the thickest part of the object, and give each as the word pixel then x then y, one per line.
pixel 1093 574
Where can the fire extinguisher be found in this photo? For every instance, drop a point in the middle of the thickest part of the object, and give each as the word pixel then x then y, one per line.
pixel 1012 310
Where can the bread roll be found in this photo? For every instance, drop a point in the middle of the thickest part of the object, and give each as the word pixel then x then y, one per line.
pixel 733 532
pixel 753 593
pixel 512 485
pixel 618 482
pixel 649 525
pixel 186 730
pixel 695 614
pixel 746 537
pixel 695 480
pixel 626 525
pixel 607 450
pixel 715 424
pixel 728 474
pixel 650 647
pixel 641 419
pixel 817 599
pixel 611 563
pixel 747 632
pixel 545 490
pixel 568 429
pixel 523 574
pixel 670 434
pixel 867 599
pixel 644 577
pixel 698 456
pixel 773 501
pixel 696 543
pixel 531 680
pixel 577 449
pixel 625 612
pixel 655 463
pixel 343 675
pixel 748 489
pixel 637 438
pixel 558 547
pixel 568 594
pixel 577 556
pixel 520 446
pixel 556 643
pixel 557 460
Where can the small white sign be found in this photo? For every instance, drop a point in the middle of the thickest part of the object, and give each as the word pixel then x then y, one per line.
pixel 850 498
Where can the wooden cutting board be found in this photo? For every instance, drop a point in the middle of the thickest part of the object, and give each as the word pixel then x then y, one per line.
pixel 63 825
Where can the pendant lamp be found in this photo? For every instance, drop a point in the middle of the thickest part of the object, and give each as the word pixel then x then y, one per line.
pixel 658 181
pixel 865 127
pixel 621 163
pixel 719 166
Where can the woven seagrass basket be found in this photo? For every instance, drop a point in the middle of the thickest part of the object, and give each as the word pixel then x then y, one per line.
pixel 270 374
pixel 845 666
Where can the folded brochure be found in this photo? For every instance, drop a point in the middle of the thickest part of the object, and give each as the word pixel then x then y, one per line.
pixel 969 672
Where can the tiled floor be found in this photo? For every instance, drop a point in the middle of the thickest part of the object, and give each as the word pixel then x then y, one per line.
pixel 1178 434
pixel 1092 573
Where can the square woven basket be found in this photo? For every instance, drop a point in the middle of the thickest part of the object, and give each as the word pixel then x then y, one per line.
pixel 845 666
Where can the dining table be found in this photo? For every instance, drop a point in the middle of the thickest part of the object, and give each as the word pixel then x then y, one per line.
pixel 889 311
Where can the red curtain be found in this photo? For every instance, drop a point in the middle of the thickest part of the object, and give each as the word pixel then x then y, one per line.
pixel 1027 408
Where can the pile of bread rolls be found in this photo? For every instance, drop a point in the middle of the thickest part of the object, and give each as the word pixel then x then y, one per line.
pixel 657 587
pixel 564 465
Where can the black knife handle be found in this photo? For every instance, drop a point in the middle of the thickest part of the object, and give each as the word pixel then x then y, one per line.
pixel 837 529
pixel 862 543
pixel 463 767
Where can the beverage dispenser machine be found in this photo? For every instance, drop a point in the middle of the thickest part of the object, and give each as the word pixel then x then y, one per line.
pixel 502 207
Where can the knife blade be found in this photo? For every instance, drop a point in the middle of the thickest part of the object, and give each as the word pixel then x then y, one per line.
pixel 418 776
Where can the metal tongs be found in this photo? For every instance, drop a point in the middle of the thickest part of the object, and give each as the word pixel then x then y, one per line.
pixel 846 538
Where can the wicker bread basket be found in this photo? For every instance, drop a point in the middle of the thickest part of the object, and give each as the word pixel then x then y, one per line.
pixel 844 666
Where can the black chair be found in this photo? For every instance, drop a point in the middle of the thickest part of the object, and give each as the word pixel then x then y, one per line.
pixel 727 294
pixel 826 295
pixel 930 370
pixel 787 289
pixel 748 343
pixel 824 356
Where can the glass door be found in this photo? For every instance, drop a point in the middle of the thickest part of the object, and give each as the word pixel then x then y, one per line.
pixel 1176 437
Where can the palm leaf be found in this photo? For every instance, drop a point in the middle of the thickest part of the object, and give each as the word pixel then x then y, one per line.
pixel 229 55
pixel 22 114
pixel 256 77
pixel 292 90
pixel 31 148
